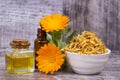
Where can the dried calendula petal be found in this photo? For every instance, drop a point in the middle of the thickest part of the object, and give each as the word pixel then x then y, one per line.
pixel 86 43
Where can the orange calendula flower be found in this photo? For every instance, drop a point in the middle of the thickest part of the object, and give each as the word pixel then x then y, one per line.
pixel 49 58
pixel 54 22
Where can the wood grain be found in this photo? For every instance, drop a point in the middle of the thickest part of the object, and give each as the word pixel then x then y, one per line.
pixel 19 18
pixel 110 72
pixel 100 16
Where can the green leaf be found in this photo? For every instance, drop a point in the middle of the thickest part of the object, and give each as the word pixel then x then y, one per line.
pixel 66 31
pixel 61 44
pixel 70 37
pixel 56 36
pixel 65 64
pixel 50 40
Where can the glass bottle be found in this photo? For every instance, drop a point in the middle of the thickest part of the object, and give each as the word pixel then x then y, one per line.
pixel 19 59
pixel 39 42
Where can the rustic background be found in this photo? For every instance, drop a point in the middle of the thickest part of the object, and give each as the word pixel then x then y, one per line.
pixel 19 18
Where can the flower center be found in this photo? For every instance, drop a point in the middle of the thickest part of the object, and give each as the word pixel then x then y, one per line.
pixel 52 59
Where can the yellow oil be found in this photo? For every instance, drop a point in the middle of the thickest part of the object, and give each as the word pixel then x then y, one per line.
pixel 19 63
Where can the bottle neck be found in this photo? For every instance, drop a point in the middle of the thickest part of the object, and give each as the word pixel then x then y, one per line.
pixel 41 34
pixel 19 50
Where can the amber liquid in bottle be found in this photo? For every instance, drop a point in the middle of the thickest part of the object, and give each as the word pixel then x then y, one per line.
pixel 39 42
pixel 19 63
pixel 20 59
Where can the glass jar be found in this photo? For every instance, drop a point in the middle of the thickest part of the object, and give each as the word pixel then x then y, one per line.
pixel 19 59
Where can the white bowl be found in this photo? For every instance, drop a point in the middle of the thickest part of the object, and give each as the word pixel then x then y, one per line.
pixel 87 64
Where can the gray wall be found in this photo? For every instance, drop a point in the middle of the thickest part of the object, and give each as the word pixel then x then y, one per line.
pixel 100 16
pixel 19 18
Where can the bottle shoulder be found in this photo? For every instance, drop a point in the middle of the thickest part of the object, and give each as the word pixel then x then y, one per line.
pixel 41 41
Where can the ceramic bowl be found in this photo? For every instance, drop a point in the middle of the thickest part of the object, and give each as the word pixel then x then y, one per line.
pixel 87 64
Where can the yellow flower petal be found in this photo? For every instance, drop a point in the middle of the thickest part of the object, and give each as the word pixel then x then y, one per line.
pixel 54 22
pixel 49 58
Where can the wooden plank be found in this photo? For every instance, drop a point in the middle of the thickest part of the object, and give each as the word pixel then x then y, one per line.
pixel 110 72
pixel 20 18
pixel 100 16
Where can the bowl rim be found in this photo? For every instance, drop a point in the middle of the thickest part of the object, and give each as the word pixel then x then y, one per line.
pixel 108 52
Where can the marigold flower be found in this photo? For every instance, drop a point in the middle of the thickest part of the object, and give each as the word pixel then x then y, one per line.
pixel 49 58
pixel 54 22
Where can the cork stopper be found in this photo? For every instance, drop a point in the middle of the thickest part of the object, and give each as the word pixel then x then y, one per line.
pixel 20 44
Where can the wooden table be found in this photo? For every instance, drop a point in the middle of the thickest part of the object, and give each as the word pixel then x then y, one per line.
pixel 110 72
